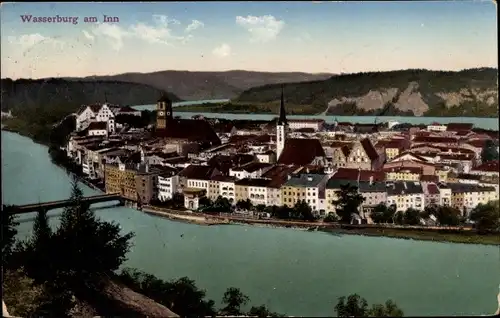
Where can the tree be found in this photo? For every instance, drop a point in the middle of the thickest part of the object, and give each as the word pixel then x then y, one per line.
pixel 358 307
pixel 262 311
pixel 489 151
pixel 487 217
pixel 349 201
pixel 429 210
pixel 399 217
pixel 303 211
pixel 9 232
pixel 448 215
pixel 330 218
pixel 390 309
pixel 354 307
pixel 379 213
pixel 411 217
pixel 233 300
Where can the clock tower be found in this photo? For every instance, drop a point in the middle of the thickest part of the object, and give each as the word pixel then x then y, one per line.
pixel 163 112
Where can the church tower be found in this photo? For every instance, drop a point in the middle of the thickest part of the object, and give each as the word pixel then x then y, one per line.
pixel 281 127
pixel 163 112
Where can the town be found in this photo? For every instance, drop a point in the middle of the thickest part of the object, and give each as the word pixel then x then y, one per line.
pixel 258 170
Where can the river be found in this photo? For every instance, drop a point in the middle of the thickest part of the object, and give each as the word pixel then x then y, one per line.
pixel 293 272
pixel 479 122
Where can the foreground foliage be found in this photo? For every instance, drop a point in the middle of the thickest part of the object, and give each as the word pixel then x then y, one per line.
pixel 355 306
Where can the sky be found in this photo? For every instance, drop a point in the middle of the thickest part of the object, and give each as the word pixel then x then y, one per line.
pixel 308 36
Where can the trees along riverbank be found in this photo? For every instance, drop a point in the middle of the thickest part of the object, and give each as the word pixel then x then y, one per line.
pixel 63 272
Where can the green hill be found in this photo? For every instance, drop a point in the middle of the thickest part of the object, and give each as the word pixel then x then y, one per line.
pixel 470 92
pixel 27 93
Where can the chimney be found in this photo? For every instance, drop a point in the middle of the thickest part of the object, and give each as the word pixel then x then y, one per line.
pixel 371 180
pixel 288 177
pixel 310 179
pixel 406 187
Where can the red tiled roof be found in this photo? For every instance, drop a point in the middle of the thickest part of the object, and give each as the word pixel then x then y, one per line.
pixel 223 163
pixel 478 143
pixel 434 139
pixel 190 129
pixel 301 151
pixel 197 172
pixel 459 127
pixel 364 175
pixel 250 138
pixel 432 188
pixel 98 125
pixel 429 178
pixel 369 149
pixel 279 175
pixel 488 166
pixel 415 170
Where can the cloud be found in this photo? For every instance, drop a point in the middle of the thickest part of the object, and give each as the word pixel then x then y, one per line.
pixel 262 29
pixel 195 24
pixel 88 35
pixel 160 32
pixel 222 50
pixel 28 41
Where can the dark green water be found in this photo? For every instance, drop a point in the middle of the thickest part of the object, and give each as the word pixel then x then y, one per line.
pixel 293 272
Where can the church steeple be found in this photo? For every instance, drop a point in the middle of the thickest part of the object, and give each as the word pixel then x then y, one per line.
pixel 282 116
pixel 281 127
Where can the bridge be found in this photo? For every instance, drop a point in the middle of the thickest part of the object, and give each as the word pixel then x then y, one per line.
pixel 46 206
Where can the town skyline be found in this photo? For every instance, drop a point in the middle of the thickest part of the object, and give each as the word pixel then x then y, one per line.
pixel 247 36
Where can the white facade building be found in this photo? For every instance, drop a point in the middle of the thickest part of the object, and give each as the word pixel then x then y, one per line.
pixel 257 195
pixel 436 127
pixel 93 113
pixel 168 185
pixel 227 190
pixel 405 195
pixel 273 196
pixel 198 184
pixel 315 124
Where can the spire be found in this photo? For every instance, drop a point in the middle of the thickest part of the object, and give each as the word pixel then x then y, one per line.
pixel 282 116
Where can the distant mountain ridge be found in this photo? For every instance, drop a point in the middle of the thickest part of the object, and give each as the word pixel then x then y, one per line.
pixel 417 92
pixel 71 94
pixel 209 85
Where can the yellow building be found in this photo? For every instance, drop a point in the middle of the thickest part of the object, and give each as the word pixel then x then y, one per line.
pixel 213 189
pixel 241 190
pixel 442 174
pixel 331 191
pixel 291 194
pixel 457 199
pixel 403 174
pixel 120 178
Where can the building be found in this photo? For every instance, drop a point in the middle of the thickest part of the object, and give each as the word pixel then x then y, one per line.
pixel 313 124
pixel 403 173
pixel 250 170
pixel 489 168
pixel 227 188
pixel 146 183
pixel 431 194
pixel 391 148
pixel 197 177
pixel 183 130
pixel 465 196
pixel 459 127
pixel 445 197
pixel 340 153
pixel 241 190
pixel 437 127
pixel 256 190
pixel 364 156
pixel 374 194
pixel 93 113
pixel 292 151
pixel 405 195
pixel 331 189
pixel 192 198
pixel 307 187
pixel 120 178
pixel 168 183
pixel 98 128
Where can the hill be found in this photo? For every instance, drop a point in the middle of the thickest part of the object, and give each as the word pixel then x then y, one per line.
pixel 209 85
pixel 27 93
pixel 470 92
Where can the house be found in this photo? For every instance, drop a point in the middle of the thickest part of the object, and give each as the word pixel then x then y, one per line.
pixel 445 197
pixel 489 168
pixel 146 183
pixel 427 168
pixel 192 198
pixel 405 195
pixel 168 183
pixel 256 189
pixel 250 170
pixel 332 187
pixel 97 128
pixel 277 175
pixel 467 196
pixel 125 111
pixel 364 156
pixel 314 124
pixel 391 148
pixel 431 194
pixel 436 127
pixel 197 176
pixel 268 156
pixel 307 187
pixel 226 187
pixel 120 178
pixel 374 194
pixel 340 153
pixel 403 173
pixel 93 113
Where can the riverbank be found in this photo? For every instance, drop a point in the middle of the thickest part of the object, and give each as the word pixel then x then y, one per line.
pixel 449 235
